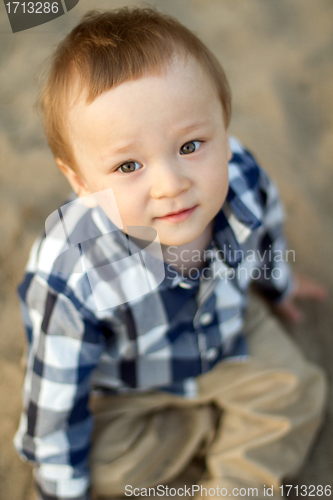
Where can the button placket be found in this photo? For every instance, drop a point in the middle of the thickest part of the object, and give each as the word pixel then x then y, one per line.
pixel 186 286
pixel 206 318
pixel 203 351
pixel 212 353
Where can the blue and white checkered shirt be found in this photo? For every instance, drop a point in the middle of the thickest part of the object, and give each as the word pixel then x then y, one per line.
pixel 91 325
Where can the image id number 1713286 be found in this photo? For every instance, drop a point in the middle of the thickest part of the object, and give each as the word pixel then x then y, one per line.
pixel 32 7
pixel 306 491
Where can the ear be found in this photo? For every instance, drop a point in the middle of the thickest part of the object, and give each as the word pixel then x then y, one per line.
pixel 76 181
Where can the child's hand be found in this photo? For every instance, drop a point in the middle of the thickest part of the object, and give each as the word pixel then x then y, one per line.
pixel 305 289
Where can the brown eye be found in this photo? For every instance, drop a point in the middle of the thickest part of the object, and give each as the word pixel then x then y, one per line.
pixel 129 166
pixel 189 147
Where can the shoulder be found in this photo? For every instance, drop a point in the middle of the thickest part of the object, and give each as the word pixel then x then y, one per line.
pixel 251 192
pixel 247 176
pixel 243 165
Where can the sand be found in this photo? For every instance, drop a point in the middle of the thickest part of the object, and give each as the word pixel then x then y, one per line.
pixel 278 55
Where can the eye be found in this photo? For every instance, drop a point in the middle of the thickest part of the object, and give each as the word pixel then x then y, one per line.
pixel 190 147
pixel 129 166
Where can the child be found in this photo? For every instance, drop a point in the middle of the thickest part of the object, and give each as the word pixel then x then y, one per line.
pixel 144 349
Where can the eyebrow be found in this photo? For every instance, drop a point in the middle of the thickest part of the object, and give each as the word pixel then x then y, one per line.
pixel 193 126
pixel 119 151
pixel 123 149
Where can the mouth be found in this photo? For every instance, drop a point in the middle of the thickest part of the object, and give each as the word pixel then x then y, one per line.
pixel 178 216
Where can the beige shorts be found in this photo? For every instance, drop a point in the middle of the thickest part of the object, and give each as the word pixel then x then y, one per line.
pixel 254 421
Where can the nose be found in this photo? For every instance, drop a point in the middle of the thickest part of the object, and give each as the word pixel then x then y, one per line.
pixel 168 180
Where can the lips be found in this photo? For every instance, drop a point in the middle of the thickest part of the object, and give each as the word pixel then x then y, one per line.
pixel 178 212
pixel 178 216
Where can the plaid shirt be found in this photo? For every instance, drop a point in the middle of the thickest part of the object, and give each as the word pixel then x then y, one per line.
pixel 96 328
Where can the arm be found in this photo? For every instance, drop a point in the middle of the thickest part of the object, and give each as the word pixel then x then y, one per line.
pixel 55 427
pixel 275 281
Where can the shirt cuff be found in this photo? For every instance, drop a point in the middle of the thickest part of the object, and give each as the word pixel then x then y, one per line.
pixel 289 292
pixel 64 489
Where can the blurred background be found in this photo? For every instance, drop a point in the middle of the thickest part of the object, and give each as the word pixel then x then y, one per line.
pixel 278 56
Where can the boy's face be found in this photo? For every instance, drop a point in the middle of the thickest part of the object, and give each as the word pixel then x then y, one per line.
pixel 160 143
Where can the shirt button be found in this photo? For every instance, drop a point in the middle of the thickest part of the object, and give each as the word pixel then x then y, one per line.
pixel 206 319
pixel 187 286
pixel 212 353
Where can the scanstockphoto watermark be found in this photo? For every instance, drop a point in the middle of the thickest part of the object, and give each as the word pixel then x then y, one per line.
pixel 253 264
pixel 195 489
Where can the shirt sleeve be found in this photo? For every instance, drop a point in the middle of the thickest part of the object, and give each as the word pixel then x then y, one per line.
pixel 55 427
pixel 275 279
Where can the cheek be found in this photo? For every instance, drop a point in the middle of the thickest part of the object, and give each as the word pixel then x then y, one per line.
pixel 217 192
pixel 130 207
pixel 95 185
pixel 218 182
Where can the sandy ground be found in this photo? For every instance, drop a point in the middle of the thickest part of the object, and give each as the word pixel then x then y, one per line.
pixel 278 56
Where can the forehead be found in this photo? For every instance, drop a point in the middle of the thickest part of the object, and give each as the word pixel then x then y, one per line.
pixel 177 94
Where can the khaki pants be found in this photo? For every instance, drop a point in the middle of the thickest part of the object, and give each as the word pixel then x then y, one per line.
pixel 254 420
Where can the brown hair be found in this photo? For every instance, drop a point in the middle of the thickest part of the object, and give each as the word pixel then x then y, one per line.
pixel 109 48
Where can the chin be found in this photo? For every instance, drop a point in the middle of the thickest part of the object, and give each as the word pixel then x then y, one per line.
pixel 178 240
